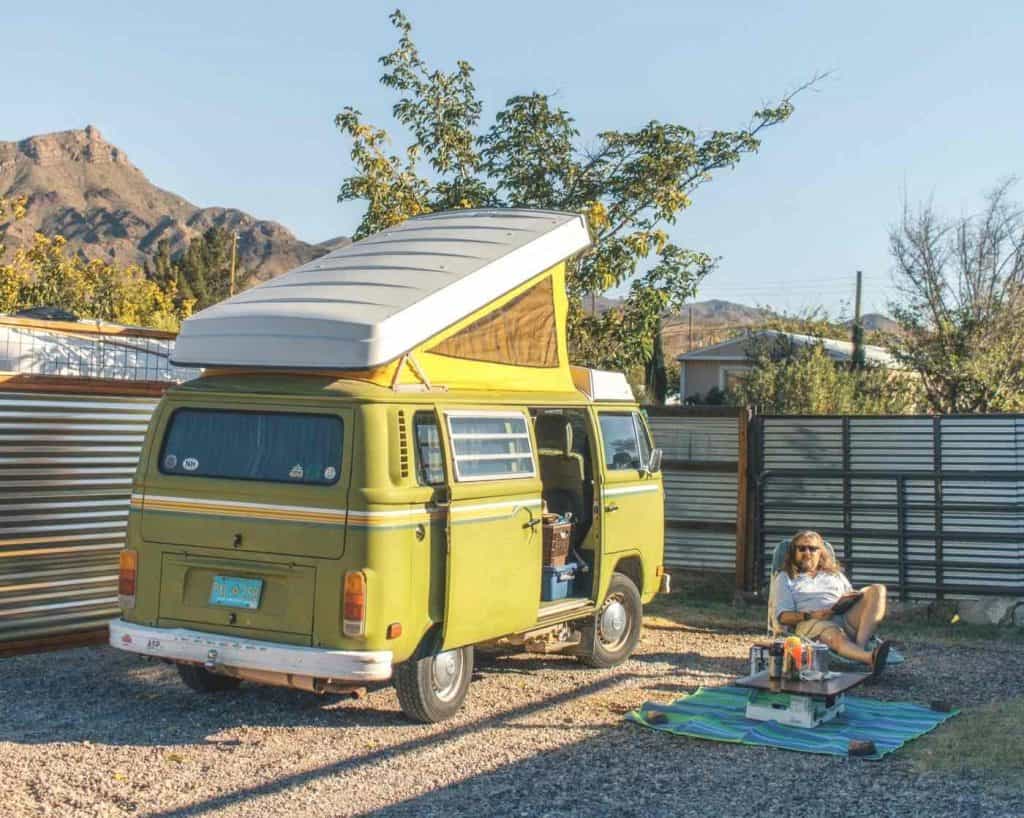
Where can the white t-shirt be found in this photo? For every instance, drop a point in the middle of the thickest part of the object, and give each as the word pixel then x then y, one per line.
pixel 806 592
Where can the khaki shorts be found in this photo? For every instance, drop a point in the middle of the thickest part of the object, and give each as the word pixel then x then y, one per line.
pixel 813 628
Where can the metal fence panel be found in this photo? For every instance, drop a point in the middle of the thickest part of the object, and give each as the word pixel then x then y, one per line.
pixel 929 506
pixel 701 489
pixel 66 466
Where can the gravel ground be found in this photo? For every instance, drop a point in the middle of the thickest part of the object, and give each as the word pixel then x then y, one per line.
pixel 96 732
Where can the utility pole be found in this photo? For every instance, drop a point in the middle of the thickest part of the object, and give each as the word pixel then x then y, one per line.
pixel 859 358
pixel 234 253
pixel 690 347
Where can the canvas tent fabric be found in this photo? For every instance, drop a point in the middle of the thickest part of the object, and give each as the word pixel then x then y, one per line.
pixel 523 332
pixel 390 308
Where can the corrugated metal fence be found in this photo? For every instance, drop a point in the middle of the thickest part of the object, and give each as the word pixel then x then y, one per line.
pixel 929 506
pixel 66 466
pixel 704 460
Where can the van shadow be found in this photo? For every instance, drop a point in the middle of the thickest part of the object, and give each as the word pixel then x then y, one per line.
pixel 106 696
pixel 109 697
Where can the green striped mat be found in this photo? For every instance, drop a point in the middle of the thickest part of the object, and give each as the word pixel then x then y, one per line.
pixel 717 714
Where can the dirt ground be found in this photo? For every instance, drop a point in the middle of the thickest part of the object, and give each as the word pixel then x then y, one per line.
pixel 96 732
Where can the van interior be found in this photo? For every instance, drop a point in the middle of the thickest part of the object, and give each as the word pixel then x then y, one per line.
pixel 567 478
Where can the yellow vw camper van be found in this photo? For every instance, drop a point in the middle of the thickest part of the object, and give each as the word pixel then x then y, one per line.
pixel 388 460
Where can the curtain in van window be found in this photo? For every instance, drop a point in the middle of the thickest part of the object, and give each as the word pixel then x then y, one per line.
pixel 276 447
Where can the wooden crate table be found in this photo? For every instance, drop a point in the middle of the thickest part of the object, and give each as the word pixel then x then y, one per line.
pixel 805 703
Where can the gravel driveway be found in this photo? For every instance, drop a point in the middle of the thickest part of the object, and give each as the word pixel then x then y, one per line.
pixel 96 732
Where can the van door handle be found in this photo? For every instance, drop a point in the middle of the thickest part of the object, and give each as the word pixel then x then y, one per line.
pixel 536 521
pixel 611 507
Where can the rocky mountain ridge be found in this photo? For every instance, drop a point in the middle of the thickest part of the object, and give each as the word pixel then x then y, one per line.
pixel 84 188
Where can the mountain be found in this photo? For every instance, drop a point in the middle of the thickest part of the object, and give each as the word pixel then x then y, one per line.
pixel 84 188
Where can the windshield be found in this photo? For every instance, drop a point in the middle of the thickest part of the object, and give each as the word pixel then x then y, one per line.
pixel 276 447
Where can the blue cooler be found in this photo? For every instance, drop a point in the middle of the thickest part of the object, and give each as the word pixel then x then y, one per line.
pixel 557 581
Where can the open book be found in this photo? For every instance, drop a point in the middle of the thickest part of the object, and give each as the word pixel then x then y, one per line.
pixel 845 602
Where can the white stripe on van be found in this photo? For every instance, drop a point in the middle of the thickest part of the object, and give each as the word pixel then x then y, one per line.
pixel 614 492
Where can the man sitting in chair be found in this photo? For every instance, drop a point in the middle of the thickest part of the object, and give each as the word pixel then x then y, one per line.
pixel 813 597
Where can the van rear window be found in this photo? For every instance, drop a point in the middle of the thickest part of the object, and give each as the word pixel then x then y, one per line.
pixel 276 447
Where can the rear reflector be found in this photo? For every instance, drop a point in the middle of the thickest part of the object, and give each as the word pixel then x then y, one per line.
pixel 354 604
pixel 394 630
pixel 128 569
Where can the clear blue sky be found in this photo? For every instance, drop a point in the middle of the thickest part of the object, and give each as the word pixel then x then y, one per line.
pixel 233 103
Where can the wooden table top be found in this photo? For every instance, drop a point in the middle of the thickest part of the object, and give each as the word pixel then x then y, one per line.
pixel 829 687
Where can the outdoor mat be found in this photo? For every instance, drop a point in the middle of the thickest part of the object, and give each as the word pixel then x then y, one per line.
pixel 717 714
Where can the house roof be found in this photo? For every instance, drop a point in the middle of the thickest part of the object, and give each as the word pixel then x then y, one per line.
pixel 368 303
pixel 736 349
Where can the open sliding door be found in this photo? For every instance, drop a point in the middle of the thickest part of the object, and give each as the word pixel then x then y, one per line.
pixel 494 528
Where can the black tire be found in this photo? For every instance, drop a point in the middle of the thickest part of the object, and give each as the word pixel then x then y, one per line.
pixel 604 649
pixel 425 698
pixel 202 681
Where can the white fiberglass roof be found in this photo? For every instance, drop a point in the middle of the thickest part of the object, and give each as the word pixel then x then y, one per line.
pixel 368 303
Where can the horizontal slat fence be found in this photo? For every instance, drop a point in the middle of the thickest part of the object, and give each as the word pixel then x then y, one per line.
pixel 66 466
pixel 701 462
pixel 930 506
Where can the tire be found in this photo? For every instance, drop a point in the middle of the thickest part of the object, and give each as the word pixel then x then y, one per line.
pixel 202 681
pixel 612 636
pixel 428 697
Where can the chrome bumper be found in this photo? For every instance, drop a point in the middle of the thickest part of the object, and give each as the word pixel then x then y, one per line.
pixel 212 650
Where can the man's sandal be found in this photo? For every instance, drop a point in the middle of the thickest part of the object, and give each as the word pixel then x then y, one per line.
pixel 878 658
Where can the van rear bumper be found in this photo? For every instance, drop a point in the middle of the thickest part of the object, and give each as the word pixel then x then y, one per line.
pixel 211 649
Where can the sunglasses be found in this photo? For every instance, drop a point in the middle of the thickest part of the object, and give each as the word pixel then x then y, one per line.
pixel 811 548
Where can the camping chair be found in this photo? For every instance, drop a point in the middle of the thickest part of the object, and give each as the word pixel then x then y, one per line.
pixel 777 629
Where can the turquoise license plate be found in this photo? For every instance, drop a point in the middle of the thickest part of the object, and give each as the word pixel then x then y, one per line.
pixel 236 592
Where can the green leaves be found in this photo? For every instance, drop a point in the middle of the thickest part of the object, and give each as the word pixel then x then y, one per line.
pixel 632 186
pixel 45 274
pixel 791 378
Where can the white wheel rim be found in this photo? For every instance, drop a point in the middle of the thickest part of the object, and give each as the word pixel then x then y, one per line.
pixel 613 623
pixel 446 674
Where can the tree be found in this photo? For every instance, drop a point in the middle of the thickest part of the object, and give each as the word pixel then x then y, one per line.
pixel 657 376
pixel 961 304
pixel 632 186
pixel 44 274
pixel 790 378
pixel 205 267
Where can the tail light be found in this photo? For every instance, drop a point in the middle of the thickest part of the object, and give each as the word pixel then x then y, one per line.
pixel 128 571
pixel 354 604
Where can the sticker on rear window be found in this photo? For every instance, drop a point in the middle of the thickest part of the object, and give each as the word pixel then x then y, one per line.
pixel 330 473
pixel 170 461
pixel 190 464
pixel 297 472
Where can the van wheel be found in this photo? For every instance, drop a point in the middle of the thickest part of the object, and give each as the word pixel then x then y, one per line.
pixel 614 633
pixel 202 681
pixel 433 688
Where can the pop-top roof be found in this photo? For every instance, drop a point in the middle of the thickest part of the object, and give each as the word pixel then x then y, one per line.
pixel 368 303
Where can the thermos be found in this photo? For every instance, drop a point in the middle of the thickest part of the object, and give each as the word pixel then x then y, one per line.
pixel 776 654
pixel 819 658
pixel 758 658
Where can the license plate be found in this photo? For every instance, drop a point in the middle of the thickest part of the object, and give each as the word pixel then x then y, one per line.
pixel 236 592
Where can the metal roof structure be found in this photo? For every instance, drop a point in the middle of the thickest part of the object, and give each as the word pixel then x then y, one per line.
pixel 366 304
pixel 88 349
pixel 737 349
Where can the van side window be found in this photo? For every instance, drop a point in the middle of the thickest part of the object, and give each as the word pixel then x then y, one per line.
pixel 644 437
pixel 429 462
pixel 490 445
pixel 619 438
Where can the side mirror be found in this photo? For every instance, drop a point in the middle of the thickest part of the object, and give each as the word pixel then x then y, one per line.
pixel 654 461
